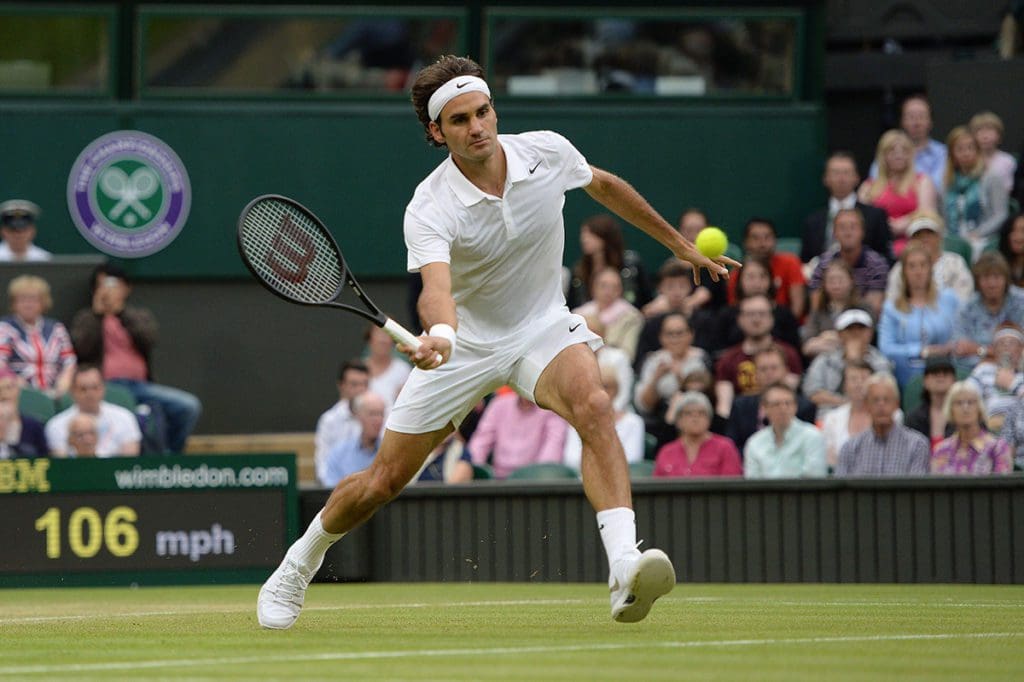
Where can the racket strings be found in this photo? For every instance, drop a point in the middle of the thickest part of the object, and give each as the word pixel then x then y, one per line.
pixel 291 253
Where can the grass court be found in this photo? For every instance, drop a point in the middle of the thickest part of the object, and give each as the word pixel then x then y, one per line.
pixel 426 632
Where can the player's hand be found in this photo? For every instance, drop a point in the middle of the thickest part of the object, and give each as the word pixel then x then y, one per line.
pixel 433 352
pixel 717 268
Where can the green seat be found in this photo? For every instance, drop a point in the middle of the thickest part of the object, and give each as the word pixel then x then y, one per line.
pixel 734 251
pixel 992 244
pixel 958 245
pixel 641 469
pixel 547 471
pixel 482 472
pixel 36 404
pixel 789 245
pixel 113 393
pixel 912 393
pixel 650 446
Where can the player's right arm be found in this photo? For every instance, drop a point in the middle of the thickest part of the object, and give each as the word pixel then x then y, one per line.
pixel 435 306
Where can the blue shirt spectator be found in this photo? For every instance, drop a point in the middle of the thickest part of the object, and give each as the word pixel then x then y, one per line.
pixel 995 301
pixel 356 453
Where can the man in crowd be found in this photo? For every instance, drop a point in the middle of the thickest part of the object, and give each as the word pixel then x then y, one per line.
pixel 995 301
pixel 117 428
pixel 356 451
pixel 83 435
pixel 949 269
pixel 760 239
pixel 514 432
pixel 929 155
pixel 887 448
pixel 18 229
pixel 748 414
pixel 338 423
pixel 870 269
pixel 787 447
pixel 841 180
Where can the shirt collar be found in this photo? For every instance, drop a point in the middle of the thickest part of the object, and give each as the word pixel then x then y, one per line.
pixel 835 205
pixel 468 193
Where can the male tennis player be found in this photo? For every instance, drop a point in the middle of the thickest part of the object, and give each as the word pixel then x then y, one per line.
pixel 485 231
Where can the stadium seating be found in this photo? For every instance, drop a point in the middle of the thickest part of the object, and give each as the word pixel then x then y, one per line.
pixel 641 469
pixel 36 404
pixel 912 391
pixel 115 394
pixel 788 245
pixel 547 471
pixel 957 245
pixel 482 472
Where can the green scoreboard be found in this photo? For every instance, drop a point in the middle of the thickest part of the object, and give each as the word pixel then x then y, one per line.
pixel 145 520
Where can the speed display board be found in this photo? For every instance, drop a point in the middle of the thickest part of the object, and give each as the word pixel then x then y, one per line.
pixel 189 519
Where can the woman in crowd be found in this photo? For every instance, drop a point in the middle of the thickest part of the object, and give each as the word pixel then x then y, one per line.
pixel 1011 245
pixel 837 294
pixel 36 348
pixel 929 418
pixel 697 451
pixel 622 321
pixel 987 129
pixel 663 371
pixel 852 417
pixel 629 426
pixel 994 300
pixel 976 200
pixel 603 247
pixel 949 269
pixel 22 435
pixel 920 322
pixel 999 377
pixel 899 189
pixel 755 277
pixel 971 450
pixel 387 371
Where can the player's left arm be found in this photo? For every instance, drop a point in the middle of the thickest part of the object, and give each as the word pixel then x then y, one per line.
pixel 619 197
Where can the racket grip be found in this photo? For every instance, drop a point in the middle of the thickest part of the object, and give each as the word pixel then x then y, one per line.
pixel 401 335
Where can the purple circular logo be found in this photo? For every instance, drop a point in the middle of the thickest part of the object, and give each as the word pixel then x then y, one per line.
pixel 129 194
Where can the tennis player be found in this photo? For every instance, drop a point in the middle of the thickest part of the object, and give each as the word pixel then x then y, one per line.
pixel 486 233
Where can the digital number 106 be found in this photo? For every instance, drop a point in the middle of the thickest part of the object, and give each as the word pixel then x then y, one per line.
pixel 88 531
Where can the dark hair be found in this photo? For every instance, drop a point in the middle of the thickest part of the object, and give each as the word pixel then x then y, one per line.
pixel 772 349
pixel 764 263
pixel 842 154
pixel 83 367
pixel 357 365
pixel 607 229
pixel 108 270
pixel 918 96
pixel 692 209
pixel 824 299
pixel 431 77
pixel 991 263
pixel 758 221
pixel 854 211
pixel 1004 236
pixel 672 267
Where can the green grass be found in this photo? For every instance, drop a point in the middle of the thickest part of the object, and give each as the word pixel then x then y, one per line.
pixel 517 632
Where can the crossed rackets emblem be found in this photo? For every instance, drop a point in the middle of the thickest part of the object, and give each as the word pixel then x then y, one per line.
pixel 129 191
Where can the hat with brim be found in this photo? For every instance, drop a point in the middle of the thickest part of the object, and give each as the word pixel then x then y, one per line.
pixel 18 214
pixel 924 223
pixel 938 363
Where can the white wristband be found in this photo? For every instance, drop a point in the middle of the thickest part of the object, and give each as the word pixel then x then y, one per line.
pixel 444 331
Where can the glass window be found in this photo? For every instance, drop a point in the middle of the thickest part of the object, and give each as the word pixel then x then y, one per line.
pixel 54 52
pixel 280 53
pixel 643 55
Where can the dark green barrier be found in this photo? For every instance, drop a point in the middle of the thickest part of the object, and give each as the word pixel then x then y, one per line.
pixel 145 520
pixel 357 166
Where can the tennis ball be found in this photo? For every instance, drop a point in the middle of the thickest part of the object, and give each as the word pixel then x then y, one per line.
pixel 712 242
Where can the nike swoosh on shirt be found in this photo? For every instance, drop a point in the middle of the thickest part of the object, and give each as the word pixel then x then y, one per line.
pixel 535 168
pixel 572 329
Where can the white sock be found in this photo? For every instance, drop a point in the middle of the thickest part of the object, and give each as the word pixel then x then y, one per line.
pixel 308 551
pixel 618 532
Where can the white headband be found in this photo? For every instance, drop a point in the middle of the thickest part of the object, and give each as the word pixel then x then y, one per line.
pixel 459 85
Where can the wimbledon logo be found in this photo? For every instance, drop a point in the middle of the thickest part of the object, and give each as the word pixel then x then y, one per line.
pixel 129 194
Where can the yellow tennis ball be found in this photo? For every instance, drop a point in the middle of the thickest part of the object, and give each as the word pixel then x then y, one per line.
pixel 712 242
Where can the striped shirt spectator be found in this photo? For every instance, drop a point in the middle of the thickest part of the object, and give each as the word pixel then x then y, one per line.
pixel 870 271
pixel 1013 433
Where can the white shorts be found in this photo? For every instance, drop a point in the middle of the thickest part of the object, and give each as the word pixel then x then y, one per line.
pixel 433 398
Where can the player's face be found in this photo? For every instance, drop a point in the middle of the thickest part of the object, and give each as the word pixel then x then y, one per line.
pixel 469 126
pixel 841 177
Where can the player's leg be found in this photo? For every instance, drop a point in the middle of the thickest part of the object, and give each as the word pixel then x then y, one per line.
pixel 570 385
pixel 354 500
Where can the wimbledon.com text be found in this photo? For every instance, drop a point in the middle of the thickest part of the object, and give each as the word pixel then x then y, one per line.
pixel 203 476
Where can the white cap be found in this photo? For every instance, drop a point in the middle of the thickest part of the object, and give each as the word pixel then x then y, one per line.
pixel 924 223
pixel 853 316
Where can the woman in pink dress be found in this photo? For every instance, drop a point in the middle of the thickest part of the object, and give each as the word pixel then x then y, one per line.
pixel 899 189
pixel 697 451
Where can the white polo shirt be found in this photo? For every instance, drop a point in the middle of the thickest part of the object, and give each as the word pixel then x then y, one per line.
pixel 117 426
pixel 505 253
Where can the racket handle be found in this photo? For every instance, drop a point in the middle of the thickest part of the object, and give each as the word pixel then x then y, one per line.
pixel 402 335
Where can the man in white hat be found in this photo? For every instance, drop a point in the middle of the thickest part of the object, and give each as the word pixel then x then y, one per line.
pixel 949 269
pixel 18 229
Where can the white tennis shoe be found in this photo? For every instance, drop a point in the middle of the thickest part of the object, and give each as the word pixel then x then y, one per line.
pixel 637 581
pixel 281 597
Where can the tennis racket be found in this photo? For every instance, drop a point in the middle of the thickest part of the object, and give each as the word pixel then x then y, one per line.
pixel 291 253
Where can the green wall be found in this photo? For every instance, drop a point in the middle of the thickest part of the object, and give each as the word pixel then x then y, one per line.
pixel 356 165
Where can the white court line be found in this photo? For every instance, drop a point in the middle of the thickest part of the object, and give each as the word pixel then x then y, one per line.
pixel 14 620
pixel 497 651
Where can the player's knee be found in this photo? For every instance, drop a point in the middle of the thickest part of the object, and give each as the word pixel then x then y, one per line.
pixel 595 408
pixel 382 486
